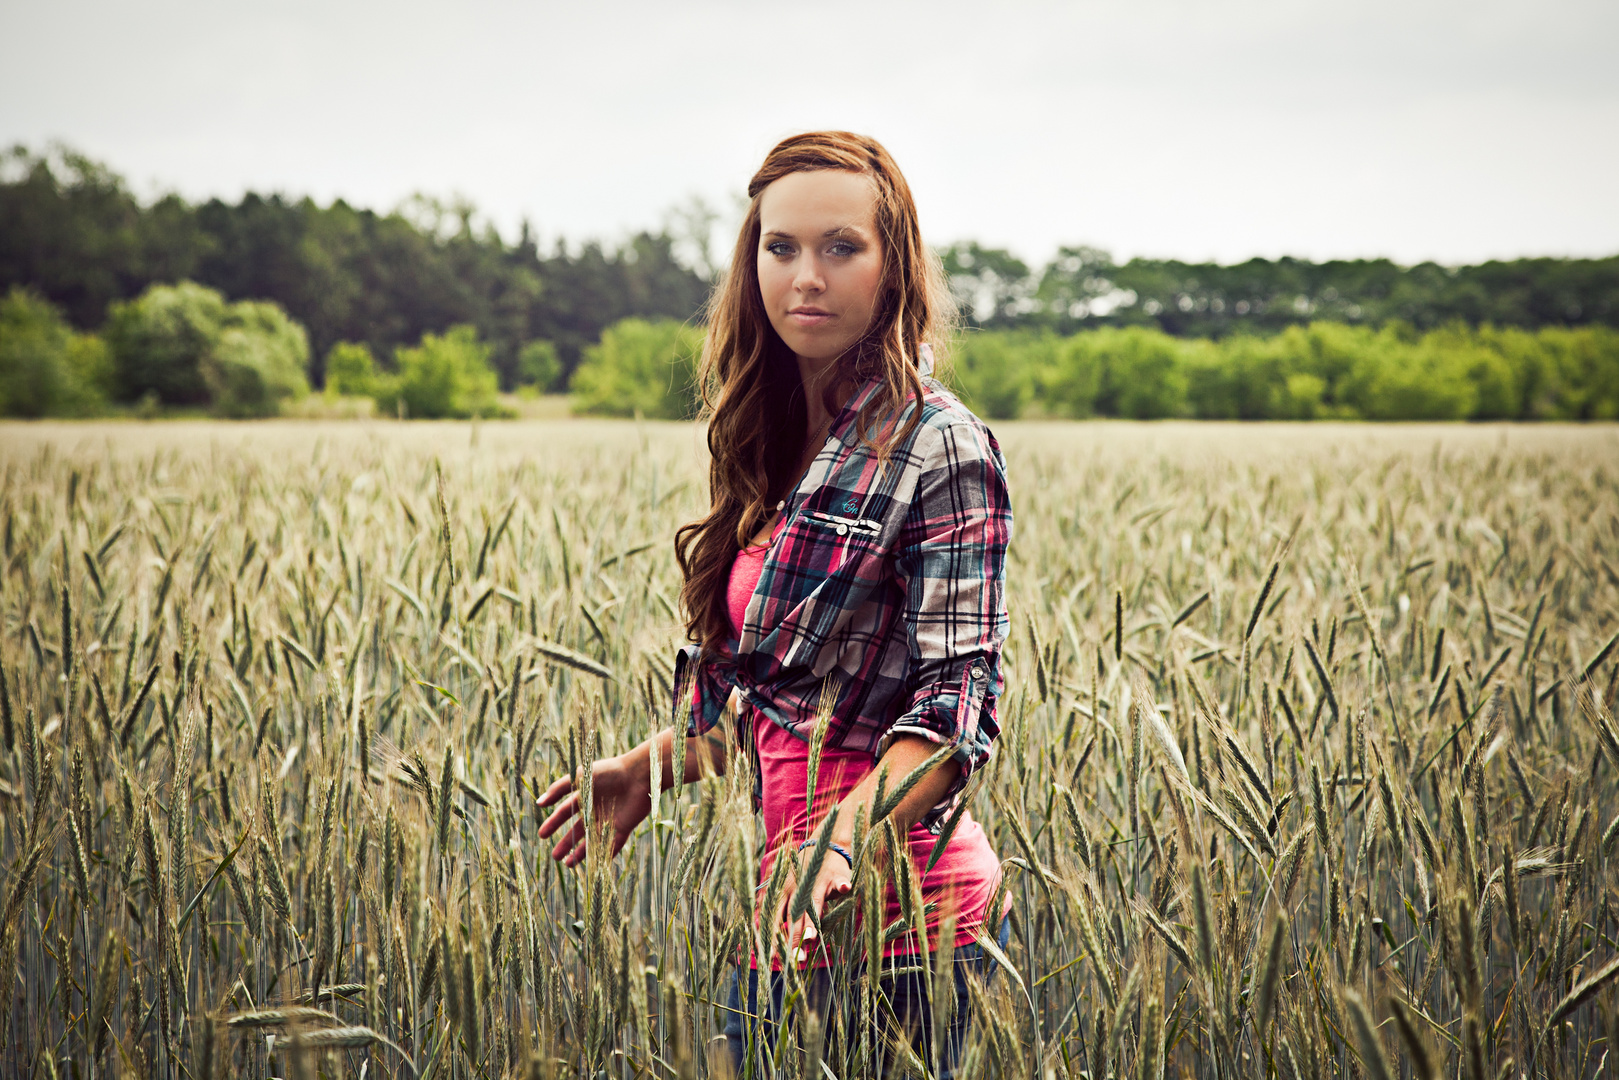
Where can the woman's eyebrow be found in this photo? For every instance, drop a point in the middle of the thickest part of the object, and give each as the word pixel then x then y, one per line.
pixel 852 231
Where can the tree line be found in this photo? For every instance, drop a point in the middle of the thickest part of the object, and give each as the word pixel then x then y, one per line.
pixel 1083 288
pixel 73 232
pixel 240 308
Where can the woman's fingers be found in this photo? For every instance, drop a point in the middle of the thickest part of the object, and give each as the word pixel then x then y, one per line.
pixel 565 810
pixel 558 788
pixel 803 941
pixel 564 796
pixel 571 843
pixel 827 888
pixel 801 934
pixel 569 849
pixel 797 945
pixel 788 889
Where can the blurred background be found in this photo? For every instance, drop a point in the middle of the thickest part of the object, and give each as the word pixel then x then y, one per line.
pixel 1222 209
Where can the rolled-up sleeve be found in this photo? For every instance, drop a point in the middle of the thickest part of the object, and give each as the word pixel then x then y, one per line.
pixel 951 563
pixel 702 687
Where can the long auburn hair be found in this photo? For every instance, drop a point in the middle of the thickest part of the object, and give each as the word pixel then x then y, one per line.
pixel 753 397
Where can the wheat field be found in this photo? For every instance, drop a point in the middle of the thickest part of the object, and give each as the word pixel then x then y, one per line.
pixel 1307 765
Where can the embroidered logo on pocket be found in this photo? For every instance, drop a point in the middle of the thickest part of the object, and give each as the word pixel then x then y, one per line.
pixel 843 526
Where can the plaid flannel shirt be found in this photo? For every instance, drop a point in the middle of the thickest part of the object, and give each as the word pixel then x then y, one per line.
pixel 885 586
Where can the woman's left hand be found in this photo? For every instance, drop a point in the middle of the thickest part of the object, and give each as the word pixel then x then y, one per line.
pixel 834 881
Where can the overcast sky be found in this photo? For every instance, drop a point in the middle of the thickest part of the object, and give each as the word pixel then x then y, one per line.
pixel 1217 129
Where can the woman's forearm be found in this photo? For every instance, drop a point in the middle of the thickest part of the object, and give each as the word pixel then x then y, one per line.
pixel 708 747
pixel 905 753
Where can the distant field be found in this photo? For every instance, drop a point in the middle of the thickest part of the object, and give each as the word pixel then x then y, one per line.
pixel 269 745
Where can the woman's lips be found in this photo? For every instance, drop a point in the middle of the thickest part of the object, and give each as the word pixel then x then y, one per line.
pixel 809 318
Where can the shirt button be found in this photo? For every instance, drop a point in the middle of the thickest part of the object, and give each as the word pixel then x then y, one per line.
pixel 978 671
pixel 843 530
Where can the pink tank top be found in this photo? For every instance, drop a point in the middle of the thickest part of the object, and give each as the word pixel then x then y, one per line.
pixel 964 878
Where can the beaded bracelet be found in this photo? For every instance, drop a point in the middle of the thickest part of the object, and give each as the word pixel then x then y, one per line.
pixel 839 848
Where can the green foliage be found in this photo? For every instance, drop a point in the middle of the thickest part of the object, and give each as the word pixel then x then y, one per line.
pixel 991 285
pixel 258 361
pixel 447 375
pixel 159 339
pixel 996 370
pixel 1585 362
pixel 1523 339
pixel 90 375
pixel 1082 287
pixel 70 228
pixel 443 376
pixel 350 371
pixel 183 345
pixel 538 366
pixel 1070 384
pixel 45 368
pixel 1418 381
pixel 641 368
pixel 1320 371
pixel 1141 373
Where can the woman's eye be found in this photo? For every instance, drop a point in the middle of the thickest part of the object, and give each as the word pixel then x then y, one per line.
pixel 842 250
pixel 779 248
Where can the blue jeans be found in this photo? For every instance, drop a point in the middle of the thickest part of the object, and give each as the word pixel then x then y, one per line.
pixel 909 995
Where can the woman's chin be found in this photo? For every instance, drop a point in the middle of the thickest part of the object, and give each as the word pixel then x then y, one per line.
pixel 815 350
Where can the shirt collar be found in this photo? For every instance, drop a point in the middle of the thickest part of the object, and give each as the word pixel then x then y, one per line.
pixel 844 427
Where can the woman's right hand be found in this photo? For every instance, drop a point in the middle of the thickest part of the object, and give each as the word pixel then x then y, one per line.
pixel 620 794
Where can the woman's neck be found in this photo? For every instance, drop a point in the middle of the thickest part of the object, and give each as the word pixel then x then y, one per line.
pixel 816 376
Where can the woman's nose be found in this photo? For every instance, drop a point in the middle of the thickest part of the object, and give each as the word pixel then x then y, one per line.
pixel 808 278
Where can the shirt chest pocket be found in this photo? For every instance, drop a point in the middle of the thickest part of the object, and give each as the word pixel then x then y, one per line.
pixel 819 546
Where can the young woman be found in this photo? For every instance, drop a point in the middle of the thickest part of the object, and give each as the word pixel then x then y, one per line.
pixel 850 571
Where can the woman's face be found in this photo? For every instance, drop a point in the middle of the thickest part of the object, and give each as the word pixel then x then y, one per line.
pixel 820 260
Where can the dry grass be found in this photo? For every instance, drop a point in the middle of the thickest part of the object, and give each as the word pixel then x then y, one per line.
pixel 269 748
